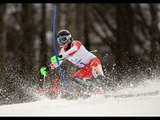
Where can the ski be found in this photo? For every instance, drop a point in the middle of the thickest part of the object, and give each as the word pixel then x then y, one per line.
pixel 152 93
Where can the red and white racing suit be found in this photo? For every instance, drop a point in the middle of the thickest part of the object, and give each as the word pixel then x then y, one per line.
pixel 88 63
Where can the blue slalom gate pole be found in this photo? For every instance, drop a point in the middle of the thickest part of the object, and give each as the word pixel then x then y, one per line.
pixel 55 47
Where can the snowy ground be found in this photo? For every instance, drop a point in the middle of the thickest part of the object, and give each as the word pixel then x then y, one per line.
pixel 97 105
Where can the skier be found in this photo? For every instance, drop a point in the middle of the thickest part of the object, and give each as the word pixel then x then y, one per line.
pixel 75 52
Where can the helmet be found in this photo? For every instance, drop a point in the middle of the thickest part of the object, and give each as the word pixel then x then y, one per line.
pixel 63 36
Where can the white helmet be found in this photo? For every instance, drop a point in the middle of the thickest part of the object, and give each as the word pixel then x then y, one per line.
pixel 63 36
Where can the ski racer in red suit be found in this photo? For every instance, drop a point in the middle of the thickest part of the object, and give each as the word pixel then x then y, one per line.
pixel 75 52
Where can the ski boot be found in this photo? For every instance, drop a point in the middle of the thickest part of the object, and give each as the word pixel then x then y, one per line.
pixel 84 85
pixel 105 82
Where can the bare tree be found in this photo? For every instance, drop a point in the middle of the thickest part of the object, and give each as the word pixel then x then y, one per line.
pixel 2 30
pixel 2 42
pixel 43 44
pixel 28 37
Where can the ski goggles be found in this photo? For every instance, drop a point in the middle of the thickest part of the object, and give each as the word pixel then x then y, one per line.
pixel 63 39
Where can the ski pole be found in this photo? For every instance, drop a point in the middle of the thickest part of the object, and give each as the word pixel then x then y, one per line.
pixel 43 82
pixel 92 51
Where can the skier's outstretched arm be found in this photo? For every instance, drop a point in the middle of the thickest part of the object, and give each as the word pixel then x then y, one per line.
pixel 74 48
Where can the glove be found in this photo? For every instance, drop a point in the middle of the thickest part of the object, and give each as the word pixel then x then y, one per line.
pixel 54 60
pixel 44 70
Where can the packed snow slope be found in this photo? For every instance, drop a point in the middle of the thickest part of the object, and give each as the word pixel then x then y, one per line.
pixel 143 100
